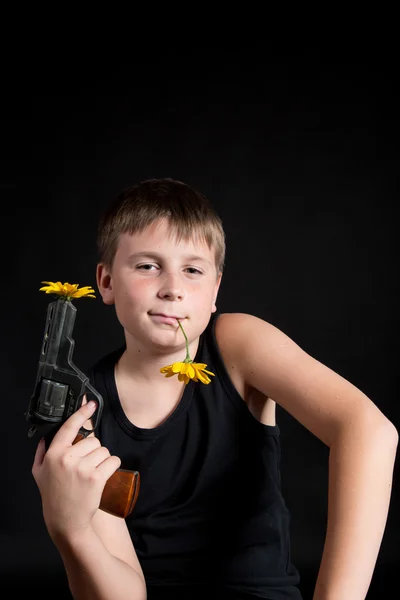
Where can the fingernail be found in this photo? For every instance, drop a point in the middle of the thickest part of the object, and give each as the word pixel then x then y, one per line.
pixel 91 404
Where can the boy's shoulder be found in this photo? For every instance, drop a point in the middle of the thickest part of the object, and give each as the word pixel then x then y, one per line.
pixel 235 332
pixel 240 337
pixel 234 343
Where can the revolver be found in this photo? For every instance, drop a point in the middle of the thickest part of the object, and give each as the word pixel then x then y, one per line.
pixel 58 392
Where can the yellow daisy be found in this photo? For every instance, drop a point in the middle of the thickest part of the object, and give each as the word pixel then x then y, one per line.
pixel 67 290
pixel 187 369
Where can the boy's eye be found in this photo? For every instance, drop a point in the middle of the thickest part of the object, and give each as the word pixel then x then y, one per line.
pixel 149 267
pixel 194 271
pixel 146 267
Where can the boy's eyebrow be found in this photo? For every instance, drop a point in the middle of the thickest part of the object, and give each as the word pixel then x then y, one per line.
pixel 156 256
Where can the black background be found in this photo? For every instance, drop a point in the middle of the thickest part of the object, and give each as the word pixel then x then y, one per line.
pixel 298 153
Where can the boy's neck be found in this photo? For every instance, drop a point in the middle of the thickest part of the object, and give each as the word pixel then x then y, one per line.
pixel 144 366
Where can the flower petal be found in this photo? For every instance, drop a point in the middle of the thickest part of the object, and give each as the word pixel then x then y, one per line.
pixel 199 365
pixel 203 378
pixel 68 290
pixel 183 377
pixel 190 371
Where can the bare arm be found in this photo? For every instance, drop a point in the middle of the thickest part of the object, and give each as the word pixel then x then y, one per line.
pixel 96 549
pixel 361 461
pixel 362 442
pixel 101 563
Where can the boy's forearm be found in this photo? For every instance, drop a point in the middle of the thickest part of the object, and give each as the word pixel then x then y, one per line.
pixel 361 465
pixel 93 573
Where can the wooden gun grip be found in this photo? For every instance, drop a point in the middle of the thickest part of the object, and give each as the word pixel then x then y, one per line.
pixel 120 492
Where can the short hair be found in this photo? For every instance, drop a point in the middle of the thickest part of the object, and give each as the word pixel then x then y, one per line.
pixel 190 215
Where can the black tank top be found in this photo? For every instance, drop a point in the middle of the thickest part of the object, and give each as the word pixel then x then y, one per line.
pixel 210 514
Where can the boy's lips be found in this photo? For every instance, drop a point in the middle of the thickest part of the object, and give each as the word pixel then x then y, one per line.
pixel 163 318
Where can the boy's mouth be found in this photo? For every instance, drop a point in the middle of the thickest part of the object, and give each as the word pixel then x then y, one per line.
pixel 164 318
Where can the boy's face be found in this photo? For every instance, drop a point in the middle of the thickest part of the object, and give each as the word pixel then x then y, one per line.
pixel 155 278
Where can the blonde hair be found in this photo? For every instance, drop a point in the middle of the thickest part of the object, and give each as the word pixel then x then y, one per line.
pixel 189 213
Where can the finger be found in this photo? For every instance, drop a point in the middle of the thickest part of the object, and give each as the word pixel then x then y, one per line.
pixel 67 433
pixel 93 459
pixel 85 445
pixel 89 423
pixel 84 399
pixel 39 456
pixel 40 452
pixel 99 465
pixel 108 467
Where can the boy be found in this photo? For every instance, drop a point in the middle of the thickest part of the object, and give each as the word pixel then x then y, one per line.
pixel 210 520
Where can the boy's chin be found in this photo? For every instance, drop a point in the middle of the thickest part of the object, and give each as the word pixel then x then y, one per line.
pixel 164 339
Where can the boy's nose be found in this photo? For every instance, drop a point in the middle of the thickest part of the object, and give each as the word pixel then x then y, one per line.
pixel 171 289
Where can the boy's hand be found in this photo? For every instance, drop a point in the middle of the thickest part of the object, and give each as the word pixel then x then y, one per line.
pixel 71 477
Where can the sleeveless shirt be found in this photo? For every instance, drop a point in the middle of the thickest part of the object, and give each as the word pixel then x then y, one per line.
pixel 210 518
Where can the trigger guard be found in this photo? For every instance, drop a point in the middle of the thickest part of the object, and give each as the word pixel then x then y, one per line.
pixel 99 399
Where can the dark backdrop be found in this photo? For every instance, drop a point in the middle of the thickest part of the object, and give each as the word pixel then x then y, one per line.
pixel 300 158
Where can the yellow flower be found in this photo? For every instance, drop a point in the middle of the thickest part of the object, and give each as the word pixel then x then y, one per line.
pixel 67 290
pixel 187 369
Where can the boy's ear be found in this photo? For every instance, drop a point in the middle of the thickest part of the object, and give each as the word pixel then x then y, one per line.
pixel 214 307
pixel 104 284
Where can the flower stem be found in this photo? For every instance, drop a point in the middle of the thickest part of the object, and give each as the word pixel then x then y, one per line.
pixel 187 359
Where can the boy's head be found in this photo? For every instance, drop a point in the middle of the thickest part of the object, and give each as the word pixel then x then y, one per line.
pixel 189 214
pixel 162 249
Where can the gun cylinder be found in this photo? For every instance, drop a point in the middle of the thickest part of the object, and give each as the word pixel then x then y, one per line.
pixel 51 401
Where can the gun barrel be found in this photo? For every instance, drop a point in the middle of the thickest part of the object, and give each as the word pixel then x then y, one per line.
pixel 57 346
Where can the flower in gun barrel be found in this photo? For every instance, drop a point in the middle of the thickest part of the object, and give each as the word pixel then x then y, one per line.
pixel 187 369
pixel 67 290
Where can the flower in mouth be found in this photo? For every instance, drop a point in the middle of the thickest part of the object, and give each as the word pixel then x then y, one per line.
pixel 187 369
pixel 66 290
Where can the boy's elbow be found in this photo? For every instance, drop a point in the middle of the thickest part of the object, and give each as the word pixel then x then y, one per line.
pixel 383 427
pixel 393 434
pixel 380 429
pixel 388 434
